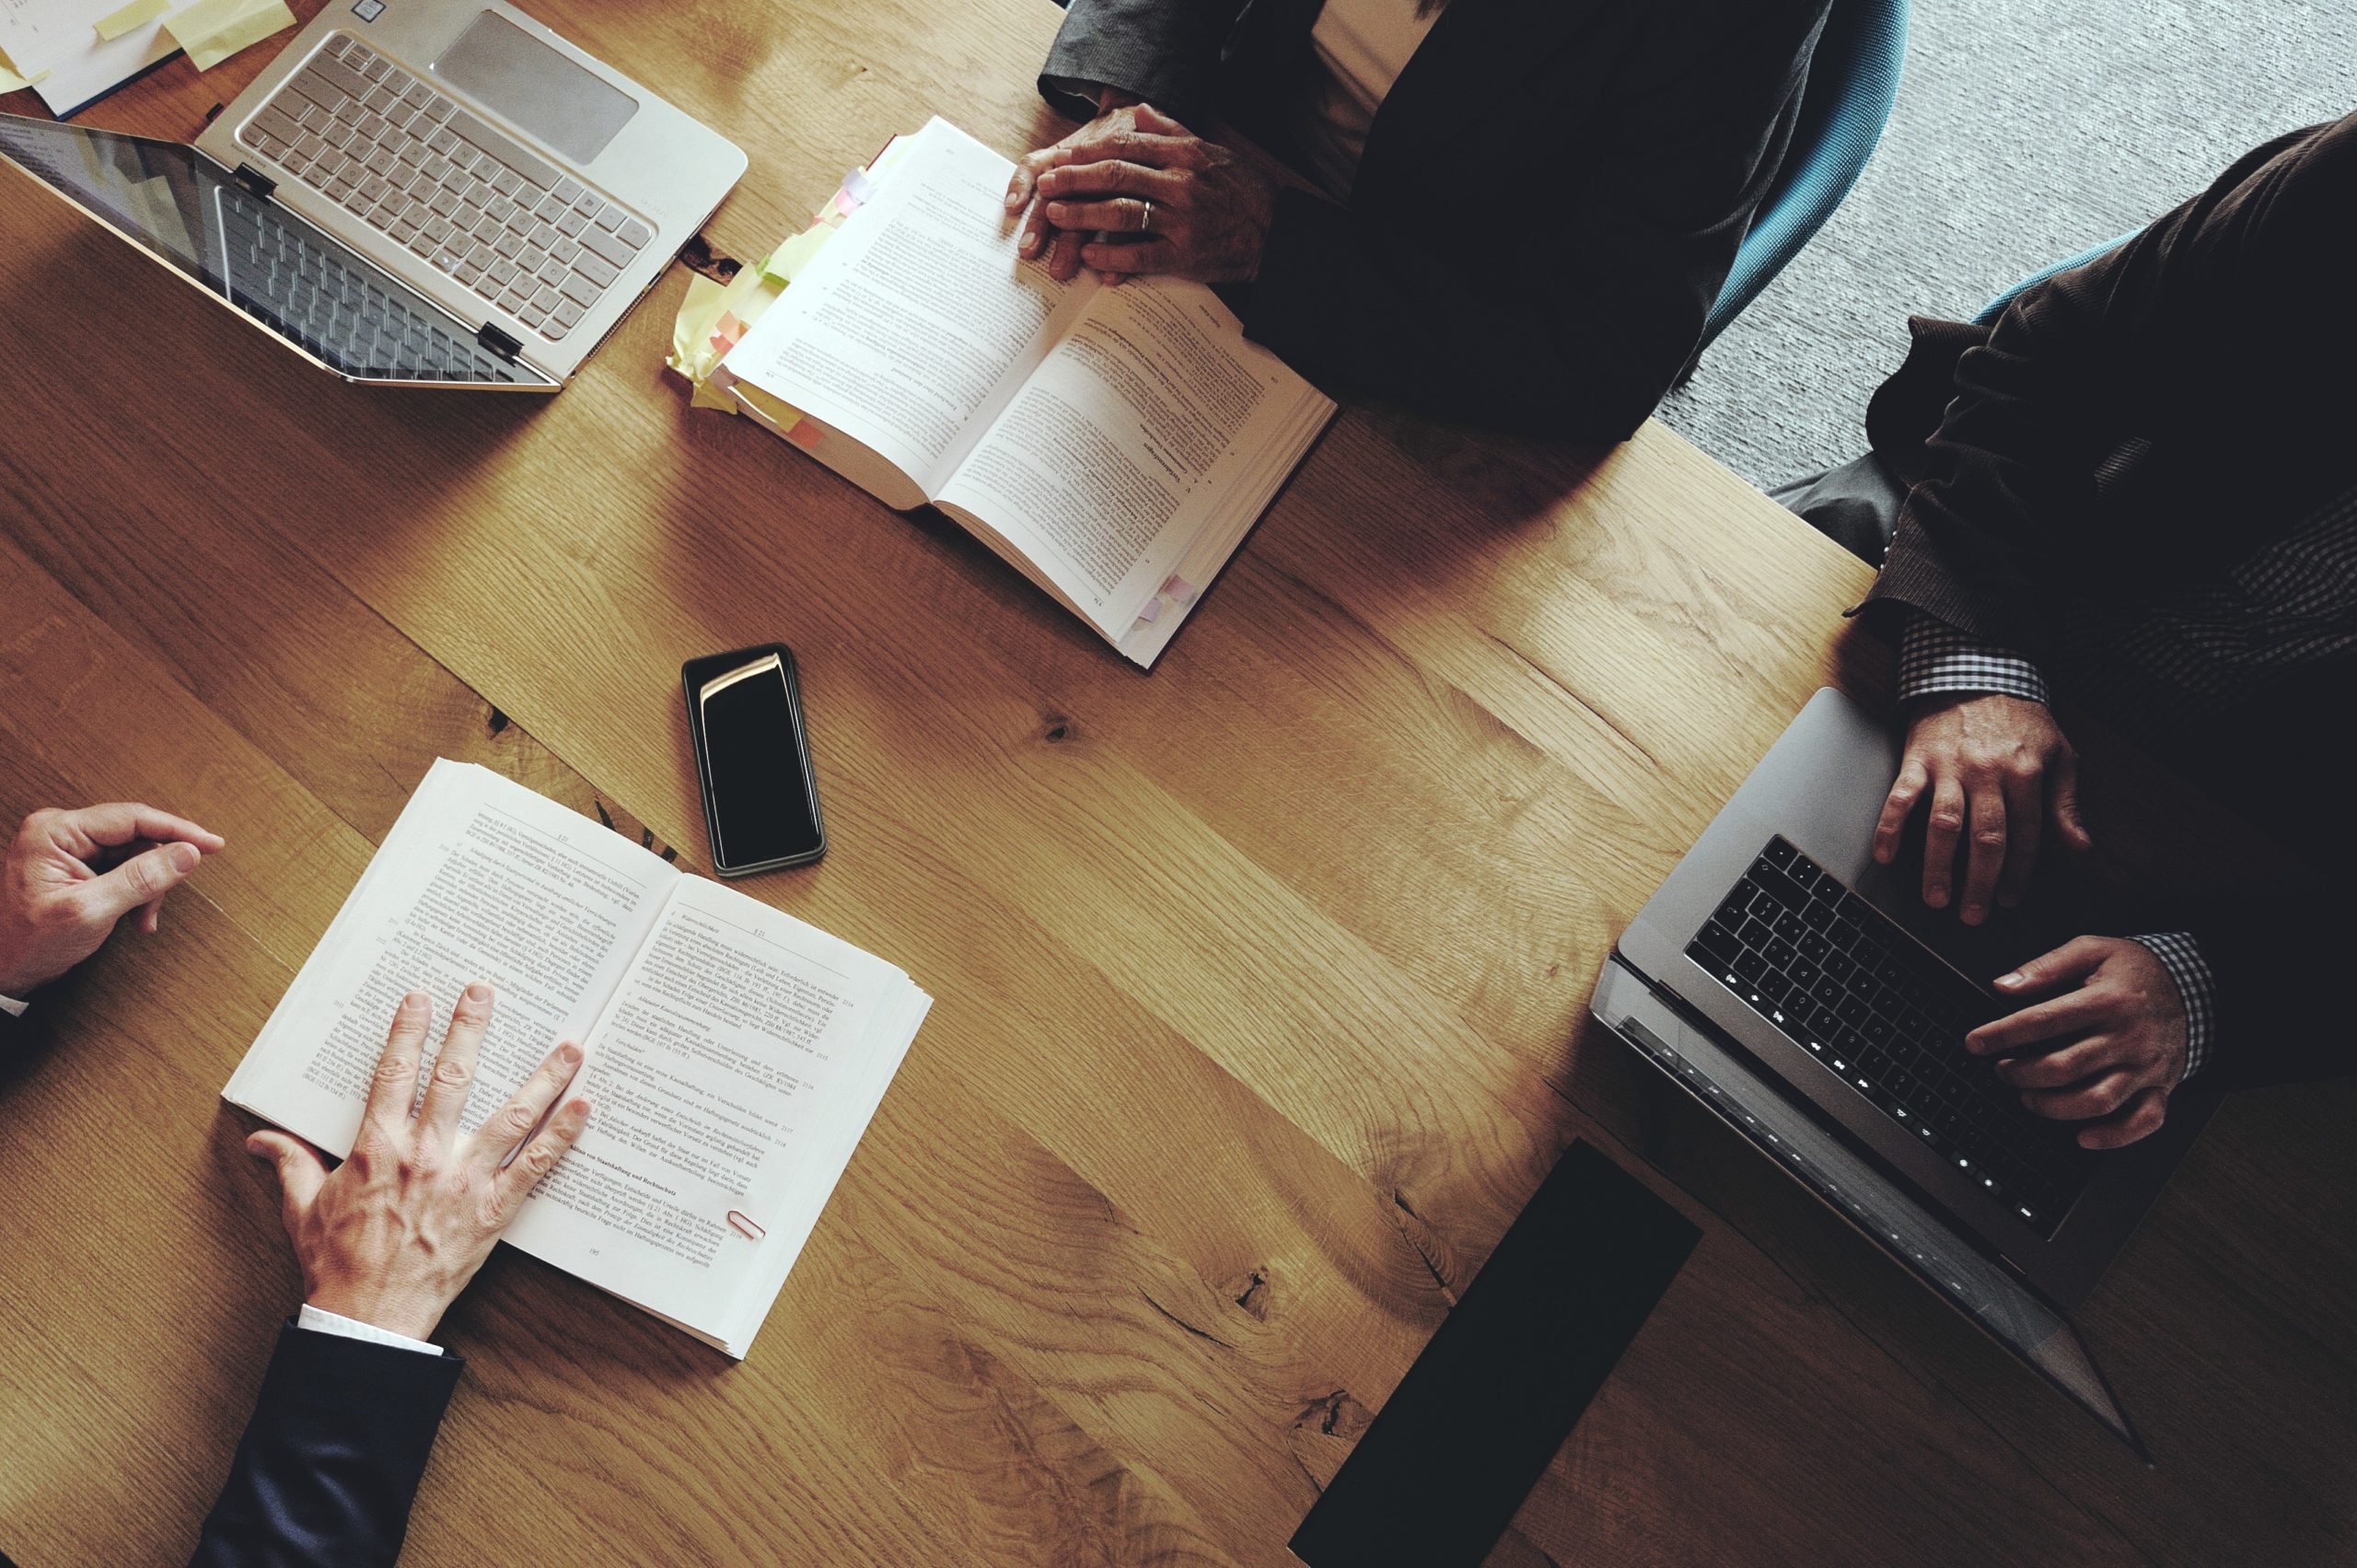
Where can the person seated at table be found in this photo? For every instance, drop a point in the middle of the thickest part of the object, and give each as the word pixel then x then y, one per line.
pixel 1521 213
pixel 2138 488
pixel 330 1461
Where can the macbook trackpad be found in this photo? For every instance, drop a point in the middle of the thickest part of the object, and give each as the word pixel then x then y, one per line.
pixel 535 87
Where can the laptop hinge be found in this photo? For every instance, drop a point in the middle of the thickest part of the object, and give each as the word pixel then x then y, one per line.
pixel 255 182
pixel 499 343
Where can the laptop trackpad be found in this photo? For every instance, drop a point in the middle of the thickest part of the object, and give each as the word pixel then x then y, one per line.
pixel 536 88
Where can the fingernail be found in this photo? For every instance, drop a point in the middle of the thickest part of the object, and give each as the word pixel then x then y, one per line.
pixel 1974 914
pixel 414 1001
pixel 2010 981
pixel 478 991
pixel 1937 898
pixel 184 857
pixel 1014 200
pixel 568 1053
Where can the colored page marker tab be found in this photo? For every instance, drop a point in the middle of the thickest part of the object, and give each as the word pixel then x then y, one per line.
pixel 138 14
pixel 1151 614
pixel 212 30
pixel 1178 590
pixel 858 186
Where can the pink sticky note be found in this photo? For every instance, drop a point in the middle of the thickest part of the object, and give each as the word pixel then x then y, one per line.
pixel 1153 611
pixel 1179 590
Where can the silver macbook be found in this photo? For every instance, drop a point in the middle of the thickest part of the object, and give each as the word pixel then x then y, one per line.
pixel 416 192
pixel 1806 995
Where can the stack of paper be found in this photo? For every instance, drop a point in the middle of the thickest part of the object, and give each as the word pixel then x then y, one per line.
pixel 74 51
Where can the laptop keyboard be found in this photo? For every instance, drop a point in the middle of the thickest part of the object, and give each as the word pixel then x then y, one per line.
pixel 460 196
pixel 1826 969
pixel 339 312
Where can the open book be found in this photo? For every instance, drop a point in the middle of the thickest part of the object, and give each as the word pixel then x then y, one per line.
pixel 733 1055
pixel 1114 444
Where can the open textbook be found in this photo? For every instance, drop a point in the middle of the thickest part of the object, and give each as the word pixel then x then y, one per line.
pixel 1113 444
pixel 732 1054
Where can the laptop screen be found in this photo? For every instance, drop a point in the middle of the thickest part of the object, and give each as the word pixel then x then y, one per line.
pixel 287 276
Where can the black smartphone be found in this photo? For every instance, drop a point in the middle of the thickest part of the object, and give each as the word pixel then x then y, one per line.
pixel 761 799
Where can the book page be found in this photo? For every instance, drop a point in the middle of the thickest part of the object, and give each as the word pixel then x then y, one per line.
pixel 915 323
pixel 735 1057
pixel 481 878
pixel 1108 461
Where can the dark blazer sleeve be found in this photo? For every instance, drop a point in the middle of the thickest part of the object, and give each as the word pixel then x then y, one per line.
pixel 2199 338
pixel 1166 51
pixel 1565 305
pixel 2280 1000
pixel 330 1461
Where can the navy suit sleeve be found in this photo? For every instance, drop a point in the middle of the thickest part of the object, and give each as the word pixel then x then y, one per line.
pixel 330 1461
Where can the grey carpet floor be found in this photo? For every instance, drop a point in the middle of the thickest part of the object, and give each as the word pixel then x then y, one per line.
pixel 2026 131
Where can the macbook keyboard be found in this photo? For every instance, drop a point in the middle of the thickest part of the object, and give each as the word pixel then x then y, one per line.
pixel 1872 1002
pixel 463 198
pixel 342 314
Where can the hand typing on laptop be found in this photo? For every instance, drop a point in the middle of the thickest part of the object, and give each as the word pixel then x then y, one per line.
pixel 2102 1040
pixel 1993 769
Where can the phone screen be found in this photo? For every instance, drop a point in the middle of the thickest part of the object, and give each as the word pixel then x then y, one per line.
pixel 761 802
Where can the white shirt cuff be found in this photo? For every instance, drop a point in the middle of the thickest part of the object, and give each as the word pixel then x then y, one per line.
pixel 326 1322
pixel 1933 656
pixel 2181 956
pixel 13 1007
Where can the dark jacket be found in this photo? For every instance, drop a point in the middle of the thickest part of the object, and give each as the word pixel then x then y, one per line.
pixel 330 1461
pixel 1551 194
pixel 2139 425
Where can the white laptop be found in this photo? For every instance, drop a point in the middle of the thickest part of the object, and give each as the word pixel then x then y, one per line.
pixel 416 192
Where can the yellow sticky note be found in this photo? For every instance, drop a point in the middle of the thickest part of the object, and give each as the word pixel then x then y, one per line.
pixel 697 313
pixel 12 79
pixel 212 30
pixel 138 14
pixel 776 410
pixel 785 262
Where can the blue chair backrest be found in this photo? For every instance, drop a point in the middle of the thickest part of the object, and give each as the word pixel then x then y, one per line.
pixel 1852 81
pixel 1996 306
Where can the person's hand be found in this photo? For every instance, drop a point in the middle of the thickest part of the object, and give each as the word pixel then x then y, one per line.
pixel 395 1234
pixel 1159 198
pixel 1996 769
pixel 71 874
pixel 2106 1047
pixel 1062 248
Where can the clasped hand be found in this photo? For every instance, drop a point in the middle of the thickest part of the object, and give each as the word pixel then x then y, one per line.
pixel 1134 191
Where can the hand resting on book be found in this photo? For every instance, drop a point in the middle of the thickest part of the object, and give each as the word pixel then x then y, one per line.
pixel 393 1234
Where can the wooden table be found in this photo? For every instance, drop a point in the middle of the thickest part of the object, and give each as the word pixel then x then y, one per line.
pixel 1262 978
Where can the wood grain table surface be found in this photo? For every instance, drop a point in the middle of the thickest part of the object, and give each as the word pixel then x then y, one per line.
pixel 1262 978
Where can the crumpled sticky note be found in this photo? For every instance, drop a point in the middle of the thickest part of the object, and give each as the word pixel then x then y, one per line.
pixel 138 14
pixel 212 30
pixel 712 320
